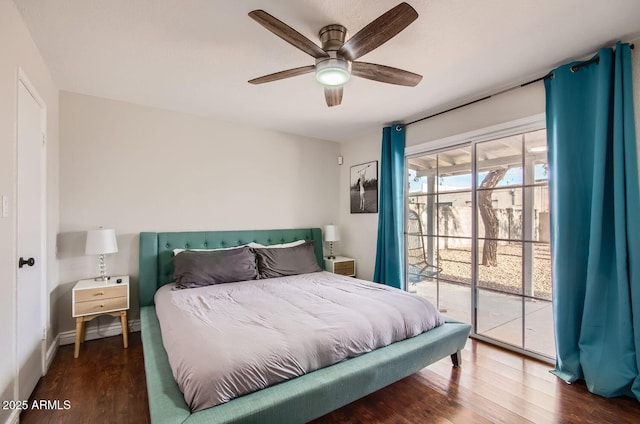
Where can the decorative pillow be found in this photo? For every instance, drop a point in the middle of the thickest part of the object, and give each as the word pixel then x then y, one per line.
pixel 276 246
pixel 198 269
pixel 285 261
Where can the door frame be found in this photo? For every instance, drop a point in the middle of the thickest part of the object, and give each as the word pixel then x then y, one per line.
pixel 471 138
pixel 22 78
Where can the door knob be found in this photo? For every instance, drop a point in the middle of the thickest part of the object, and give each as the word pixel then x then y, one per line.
pixel 29 262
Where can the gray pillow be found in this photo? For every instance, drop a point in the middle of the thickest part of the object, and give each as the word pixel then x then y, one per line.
pixel 198 269
pixel 287 261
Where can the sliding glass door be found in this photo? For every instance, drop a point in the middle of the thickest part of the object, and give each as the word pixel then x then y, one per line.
pixel 477 237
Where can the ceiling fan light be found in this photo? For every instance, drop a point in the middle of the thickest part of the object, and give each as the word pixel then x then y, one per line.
pixel 333 72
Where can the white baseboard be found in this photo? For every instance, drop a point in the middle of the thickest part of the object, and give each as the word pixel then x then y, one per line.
pixel 51 352
pixel 99 332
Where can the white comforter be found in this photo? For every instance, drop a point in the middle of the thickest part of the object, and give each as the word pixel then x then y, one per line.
pixel 227 340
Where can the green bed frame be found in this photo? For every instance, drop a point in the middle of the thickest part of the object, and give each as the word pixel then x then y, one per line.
pixel 294 401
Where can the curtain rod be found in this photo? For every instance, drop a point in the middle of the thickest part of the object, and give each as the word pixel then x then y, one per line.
pixel 549 75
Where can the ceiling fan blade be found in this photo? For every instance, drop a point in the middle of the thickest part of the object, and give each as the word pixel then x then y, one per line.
pixel 379 31
pixel 386 74
pixel 333 95
pixel 287 33
pixel 284 74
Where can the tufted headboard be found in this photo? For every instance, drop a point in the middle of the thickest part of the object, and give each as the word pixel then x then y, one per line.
pixel 156 250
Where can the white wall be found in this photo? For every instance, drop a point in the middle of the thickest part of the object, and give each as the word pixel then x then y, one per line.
pixel 135 168
pixel 508 106
pixel 18 50
pixel 358 231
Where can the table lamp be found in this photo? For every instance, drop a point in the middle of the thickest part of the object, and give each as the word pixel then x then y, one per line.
pixel 101 242
pixel 331 234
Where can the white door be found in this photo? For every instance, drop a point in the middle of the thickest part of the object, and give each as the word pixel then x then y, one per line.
pixel 30 240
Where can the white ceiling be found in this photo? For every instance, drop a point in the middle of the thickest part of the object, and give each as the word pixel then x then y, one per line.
pixel 196 56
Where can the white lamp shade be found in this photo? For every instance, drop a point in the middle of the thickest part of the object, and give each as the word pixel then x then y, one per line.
pixel 101 242
pixel 331 233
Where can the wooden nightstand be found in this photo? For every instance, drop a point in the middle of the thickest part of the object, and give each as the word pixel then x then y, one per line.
pixel 341 265
pixel 92 298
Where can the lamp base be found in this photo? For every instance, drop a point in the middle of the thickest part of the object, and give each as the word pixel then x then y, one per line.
pixel 102 270
pixel 331 255
pixel 102 278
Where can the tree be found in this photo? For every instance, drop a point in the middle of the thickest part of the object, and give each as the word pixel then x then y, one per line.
pixel 488 215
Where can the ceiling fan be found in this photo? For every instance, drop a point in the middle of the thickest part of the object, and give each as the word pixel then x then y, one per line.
pixel 336 59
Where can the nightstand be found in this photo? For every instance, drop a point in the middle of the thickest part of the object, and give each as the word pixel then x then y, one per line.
pixel 341 265
pixel 92 298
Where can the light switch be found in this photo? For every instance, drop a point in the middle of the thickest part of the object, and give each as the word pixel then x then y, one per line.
pixel 5 206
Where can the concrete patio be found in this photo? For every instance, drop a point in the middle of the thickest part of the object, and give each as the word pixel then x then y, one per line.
pixel 499 315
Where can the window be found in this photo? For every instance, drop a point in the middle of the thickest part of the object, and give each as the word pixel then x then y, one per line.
pixel 477 235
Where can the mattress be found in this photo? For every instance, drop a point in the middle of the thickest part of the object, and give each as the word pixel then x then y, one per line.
pixel 227 340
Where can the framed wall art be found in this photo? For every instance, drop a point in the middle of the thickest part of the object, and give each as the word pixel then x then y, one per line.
pixel 364 188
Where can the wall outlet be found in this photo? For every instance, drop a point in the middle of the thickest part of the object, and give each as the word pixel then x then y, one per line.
pixel 5 206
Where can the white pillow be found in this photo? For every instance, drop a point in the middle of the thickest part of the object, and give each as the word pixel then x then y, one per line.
pixel 277 246
pixel 176 251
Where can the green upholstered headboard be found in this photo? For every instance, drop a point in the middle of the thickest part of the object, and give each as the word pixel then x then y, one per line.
pixel 156 250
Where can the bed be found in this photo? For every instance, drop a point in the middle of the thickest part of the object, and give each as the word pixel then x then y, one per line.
pixel 297 400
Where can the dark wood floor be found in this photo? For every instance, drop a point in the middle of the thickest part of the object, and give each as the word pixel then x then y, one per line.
pixel 107 385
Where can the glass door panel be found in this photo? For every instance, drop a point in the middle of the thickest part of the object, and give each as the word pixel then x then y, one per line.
pixel 454 215
pixel 504 271
pixel 500 213
pixel 511 270
pixel 454 260
pixel 478 231
pixel 499 316
pixel 499 162
pixel 440 209
pixel 538 336
pixel 454 300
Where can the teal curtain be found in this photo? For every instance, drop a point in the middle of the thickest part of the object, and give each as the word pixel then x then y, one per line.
pixel 595 226
pixel 389 267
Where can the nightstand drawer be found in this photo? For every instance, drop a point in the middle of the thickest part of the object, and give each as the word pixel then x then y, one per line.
pixel 102 305
pixel 101 293
pixel 344 268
